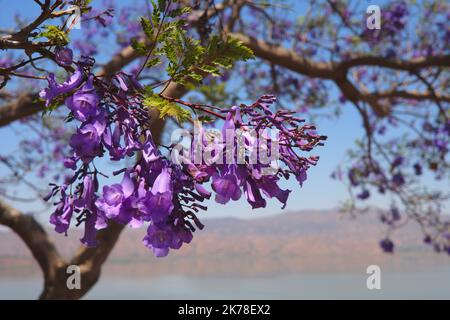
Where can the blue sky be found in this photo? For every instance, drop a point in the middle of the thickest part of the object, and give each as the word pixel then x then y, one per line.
pixel 319 192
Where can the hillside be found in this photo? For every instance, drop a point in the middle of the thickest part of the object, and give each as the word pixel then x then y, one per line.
pixel 292 242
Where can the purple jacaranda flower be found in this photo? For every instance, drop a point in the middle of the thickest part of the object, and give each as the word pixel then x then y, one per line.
pixel 84 102
pixel 226 187
pixel 387 245
pixel 86 143
pixel 87 198
pixel 253 194
pixel 417 169
pixel 111 201
pixel 397 161
pixel 55 89
pixel 71 162
pixel 159 240
pixel 159 200
pixel 63 213
pixel 270 188
pixel 440 144
pixel 202 191
pixel 301 176
pixel 166 194
pixel 181 234
pixel 111 140
pixel 90 232
pixel 133 210
pixel 64 56
pixel 150 152
pixel 365 194
pixel 353 177
pixel 398 179
pixel 114 196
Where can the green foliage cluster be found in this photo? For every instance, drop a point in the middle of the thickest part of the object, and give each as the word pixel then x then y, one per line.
pixel 166 108
pixel 55 35
pixel 188 62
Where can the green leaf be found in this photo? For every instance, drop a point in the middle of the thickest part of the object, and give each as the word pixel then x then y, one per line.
pixel 206 119
pixel 152 62
pixel 225 53
pixel 147 28
pixel 166 108
pixel 211 70
pixel 178 12
pixel 139 46
pixel 156 14
pixel 54 35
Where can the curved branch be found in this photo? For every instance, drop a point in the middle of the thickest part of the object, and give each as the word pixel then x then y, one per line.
pixel 414 95
pixel 397 64
pixel 286 58
pixel 337 72
pixel 35 237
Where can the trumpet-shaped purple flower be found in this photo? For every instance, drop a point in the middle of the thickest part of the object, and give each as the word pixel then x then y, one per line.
pixel 55 89
pixel 253 194
pixel 63 213
pixel 114 197
pixel 84 102
pixel 87 143
pixel 159 240
pixel 270 188
pixel 226 187
pixel 90 231
pixel 159 202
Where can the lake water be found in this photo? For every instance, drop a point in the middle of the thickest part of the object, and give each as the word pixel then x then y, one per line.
pixel 418 285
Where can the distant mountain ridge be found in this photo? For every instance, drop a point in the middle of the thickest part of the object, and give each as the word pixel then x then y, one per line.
pixel 290 242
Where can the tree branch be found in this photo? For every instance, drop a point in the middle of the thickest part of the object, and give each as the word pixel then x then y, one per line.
pixel 414 95
pixel 286 58
pixel 396 64
pixel 36 239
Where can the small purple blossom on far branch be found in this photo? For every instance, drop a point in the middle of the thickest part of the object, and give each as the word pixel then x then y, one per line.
pixel 398 161
pixel 417 169
pixel 387 245
pixel 64 56
pixel 398 180
pixel 365 194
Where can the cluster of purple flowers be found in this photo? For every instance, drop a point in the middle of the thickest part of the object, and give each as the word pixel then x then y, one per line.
pixel 156 190
pixel 393 21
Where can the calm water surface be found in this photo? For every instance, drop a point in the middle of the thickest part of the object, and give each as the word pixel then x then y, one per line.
pixel 433 284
